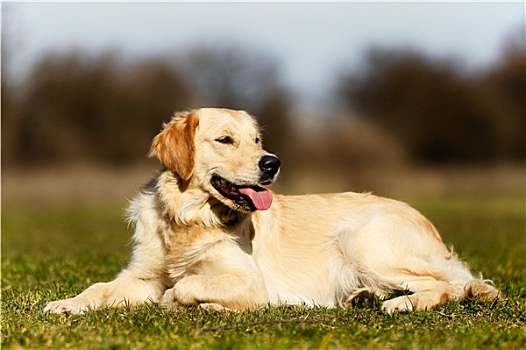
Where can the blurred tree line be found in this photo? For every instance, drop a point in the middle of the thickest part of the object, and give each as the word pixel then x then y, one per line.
pixel 439 113
pixel 104 108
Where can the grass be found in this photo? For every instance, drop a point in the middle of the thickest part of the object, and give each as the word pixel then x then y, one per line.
pixel 53 254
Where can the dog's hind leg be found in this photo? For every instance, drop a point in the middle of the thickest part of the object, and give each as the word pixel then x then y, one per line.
pixel 427 293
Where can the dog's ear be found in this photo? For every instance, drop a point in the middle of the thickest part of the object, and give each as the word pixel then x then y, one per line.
pixel 174 146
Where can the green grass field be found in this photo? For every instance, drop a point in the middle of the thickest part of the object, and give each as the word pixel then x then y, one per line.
pixel 48 255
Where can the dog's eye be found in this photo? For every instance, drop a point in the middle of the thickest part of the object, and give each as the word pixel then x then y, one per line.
pixel 257 140
pixel 227 140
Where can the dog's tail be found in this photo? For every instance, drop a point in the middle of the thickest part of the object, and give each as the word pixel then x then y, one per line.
pixel 481 290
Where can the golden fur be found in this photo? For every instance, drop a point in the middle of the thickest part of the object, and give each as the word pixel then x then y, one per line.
pixel 195 246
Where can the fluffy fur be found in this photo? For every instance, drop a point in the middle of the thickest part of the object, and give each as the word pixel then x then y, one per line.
pixel 194 245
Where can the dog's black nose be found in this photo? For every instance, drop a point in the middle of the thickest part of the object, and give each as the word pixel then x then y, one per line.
pixel 270 165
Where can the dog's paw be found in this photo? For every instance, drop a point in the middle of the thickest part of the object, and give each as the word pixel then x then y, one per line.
pixel 173 300
pixel 169 300
pixel 399 304
pixel 70 306
pixel 216 307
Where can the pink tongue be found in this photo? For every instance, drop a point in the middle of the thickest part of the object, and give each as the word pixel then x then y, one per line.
pixel 261 198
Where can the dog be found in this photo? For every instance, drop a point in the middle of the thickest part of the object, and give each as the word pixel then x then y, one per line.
pixel 207 233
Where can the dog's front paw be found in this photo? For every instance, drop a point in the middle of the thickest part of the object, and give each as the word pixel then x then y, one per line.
pixel 173 299
pixel 169 300
pixel 216 307
pixel 70 306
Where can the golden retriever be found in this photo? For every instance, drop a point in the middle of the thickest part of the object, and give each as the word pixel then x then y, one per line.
pixel 207 234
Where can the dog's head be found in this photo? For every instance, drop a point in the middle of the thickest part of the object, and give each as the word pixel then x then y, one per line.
pixel 220 151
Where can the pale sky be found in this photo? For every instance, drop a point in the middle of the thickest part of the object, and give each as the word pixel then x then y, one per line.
pixel 311 41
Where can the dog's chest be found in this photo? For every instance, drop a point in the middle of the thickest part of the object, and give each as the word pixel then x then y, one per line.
pixel 194 250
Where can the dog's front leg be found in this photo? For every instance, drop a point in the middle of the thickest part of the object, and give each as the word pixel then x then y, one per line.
pixel 233 291
pixel 123 291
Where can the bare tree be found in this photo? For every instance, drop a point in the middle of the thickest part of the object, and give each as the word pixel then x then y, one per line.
pixel 234 77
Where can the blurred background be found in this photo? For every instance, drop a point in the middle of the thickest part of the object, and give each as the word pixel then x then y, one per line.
pixel 399 98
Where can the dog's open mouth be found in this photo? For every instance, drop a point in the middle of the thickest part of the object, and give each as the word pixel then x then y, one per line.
pixel 248 198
